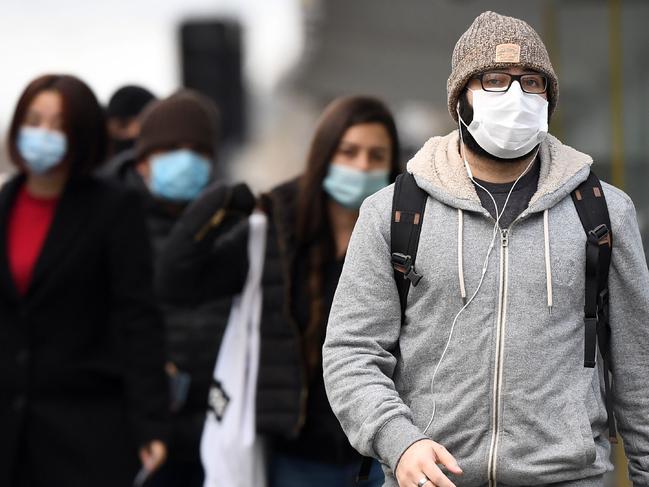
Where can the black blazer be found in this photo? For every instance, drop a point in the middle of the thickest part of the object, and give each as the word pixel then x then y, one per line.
pixel 81 354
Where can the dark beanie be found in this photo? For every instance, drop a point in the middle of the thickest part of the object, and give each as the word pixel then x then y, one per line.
pixel 128 102
pixel 186 117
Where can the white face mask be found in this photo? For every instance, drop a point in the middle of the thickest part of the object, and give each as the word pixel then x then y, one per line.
pixel 508 124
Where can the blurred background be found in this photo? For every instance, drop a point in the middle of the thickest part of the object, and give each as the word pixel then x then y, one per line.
pixel 272 65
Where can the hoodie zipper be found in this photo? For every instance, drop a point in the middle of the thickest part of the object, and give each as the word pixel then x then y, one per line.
pixel 500 346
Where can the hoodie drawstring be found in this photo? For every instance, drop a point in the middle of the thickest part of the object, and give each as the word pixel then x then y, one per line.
pixel 548 267
pixel 460 252
pixel 546 244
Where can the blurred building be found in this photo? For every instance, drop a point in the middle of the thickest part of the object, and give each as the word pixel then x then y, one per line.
pixel 296 55
pixel 402 51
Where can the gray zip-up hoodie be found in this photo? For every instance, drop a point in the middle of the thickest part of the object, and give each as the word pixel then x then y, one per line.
pixel 512 399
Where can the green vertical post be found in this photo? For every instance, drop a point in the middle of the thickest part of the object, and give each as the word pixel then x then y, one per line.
pixel 553 43
pixel 616 92
pixel 615 54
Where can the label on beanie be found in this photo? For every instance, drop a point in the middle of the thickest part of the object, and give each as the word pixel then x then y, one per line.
pixel 508 53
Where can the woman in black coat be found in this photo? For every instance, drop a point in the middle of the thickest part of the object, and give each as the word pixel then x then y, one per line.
pixel 82 388
pixel 354 153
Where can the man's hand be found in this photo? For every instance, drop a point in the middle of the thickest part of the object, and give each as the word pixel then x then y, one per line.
pixel 420 460
pixel 153 455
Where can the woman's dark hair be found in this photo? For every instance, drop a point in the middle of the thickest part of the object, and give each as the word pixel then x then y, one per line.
pixel 83 122
pixel 312 226
pixel 339 115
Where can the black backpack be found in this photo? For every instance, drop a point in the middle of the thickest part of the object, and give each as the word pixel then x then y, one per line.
pixel 408 207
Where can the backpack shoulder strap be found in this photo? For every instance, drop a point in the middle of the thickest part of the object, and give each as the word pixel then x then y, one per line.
pixel 592 209
pixel 408 206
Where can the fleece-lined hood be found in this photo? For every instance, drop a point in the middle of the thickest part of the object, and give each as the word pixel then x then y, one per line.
pixel 439 169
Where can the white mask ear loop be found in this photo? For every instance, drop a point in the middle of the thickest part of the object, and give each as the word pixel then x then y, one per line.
pixel 484 264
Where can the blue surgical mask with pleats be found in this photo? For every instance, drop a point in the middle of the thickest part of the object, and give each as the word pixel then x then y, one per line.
pixel 349 186
pixel 179 175
pixel 41 149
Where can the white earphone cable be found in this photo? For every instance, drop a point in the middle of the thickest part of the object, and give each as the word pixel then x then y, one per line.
pixel 484 264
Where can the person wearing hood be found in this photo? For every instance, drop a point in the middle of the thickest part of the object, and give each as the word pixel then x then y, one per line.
pixel 172 162
pixel 482 380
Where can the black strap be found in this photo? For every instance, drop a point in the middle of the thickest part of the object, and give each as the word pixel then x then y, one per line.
pixel 591 207
pixel 364 472
pixel 612 427
pixel 408 206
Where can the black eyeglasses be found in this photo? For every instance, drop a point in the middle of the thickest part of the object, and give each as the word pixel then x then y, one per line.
pixel 530 83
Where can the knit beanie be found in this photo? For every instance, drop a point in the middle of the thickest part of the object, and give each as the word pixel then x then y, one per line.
pixel 494 41
pixel 186 117
pixel 128 101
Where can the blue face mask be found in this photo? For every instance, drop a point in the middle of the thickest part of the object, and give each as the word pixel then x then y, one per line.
pixel 179 175
pixel 41 149
pixel 349 187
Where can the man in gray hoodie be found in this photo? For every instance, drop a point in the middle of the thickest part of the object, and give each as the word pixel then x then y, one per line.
pixel 483 383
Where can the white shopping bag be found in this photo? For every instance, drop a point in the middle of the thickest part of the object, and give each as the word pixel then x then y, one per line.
pixel 231 452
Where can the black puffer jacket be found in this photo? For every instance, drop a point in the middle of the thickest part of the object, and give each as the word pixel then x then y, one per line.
pixel 192 331
pixel 284 411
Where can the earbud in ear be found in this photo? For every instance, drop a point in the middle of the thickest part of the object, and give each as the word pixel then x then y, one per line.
pixel 468 169
pixel 459 126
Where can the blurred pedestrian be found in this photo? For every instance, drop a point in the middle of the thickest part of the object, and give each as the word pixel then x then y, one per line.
pixel 123 117
pixel 354 153
pixel 82 381
pixel 172 162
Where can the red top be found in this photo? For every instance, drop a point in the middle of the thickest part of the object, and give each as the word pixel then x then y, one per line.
pixel 29 221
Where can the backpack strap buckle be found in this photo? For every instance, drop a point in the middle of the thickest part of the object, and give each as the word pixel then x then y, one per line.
pixel 601 234
pixel 403 263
